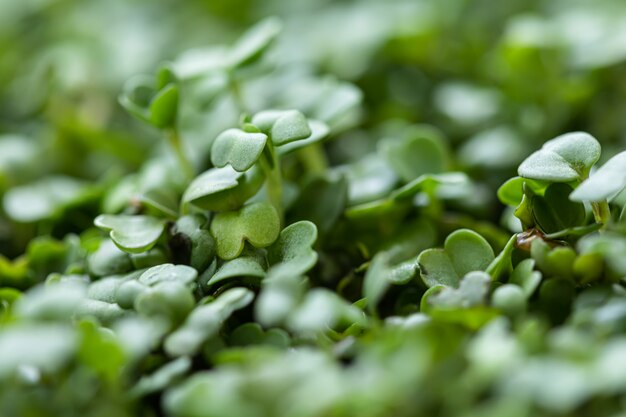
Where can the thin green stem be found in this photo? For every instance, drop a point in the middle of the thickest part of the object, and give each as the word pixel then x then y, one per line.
pixel 176 144
pixel 270 164
pixel 601 212
pixel 313 158
pixel 235 92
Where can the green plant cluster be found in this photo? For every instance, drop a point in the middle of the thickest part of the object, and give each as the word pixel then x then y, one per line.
pixel 261 239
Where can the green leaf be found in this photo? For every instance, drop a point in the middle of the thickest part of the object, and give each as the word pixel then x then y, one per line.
pixel 56 302
pixel 322 309
pixel 430 182
pixel 164 107
pixel 181 274
pixel 251 46
pixel 283 126
pixel 319 132
pixel 43 199
pixel 510 299
pixel 252 334
pixel 555 211
pixel 47 347
pixel 289 127
pixel 205 321
pixel 222 189
pixel 421 151
pixel 294 248
pixel 605 183
pixel 472 291
pixel 464 251
pixel 163 377
pixel 281 292
pixel 170 300
pixel 257 223
pixel 100 351
pixel 136 97
pixel 197 243
pixel 238 148
pixel 321 201
pixel 512 191
pixel 526 277
pixel 465 305
pixel 566 158
pixel 502 263
pixel 108 260
pixel 386 269
pixel 162 202
pixel 242 267
pixel 133 234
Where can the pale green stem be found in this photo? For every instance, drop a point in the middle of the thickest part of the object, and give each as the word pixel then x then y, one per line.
pixel 176 144
pixel 235 92
pixel 270 164
pixel 601 212
pixel 313 158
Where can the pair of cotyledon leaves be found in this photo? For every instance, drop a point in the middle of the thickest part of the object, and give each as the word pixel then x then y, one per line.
pixel 569 158
pixel 258 224
pixel 464 251
pixel 235 153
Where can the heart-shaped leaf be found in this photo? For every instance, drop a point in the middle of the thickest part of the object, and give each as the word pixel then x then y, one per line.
pixel 293 249
pixel 283 126
pixel 133 234
pixel 565 158
pixel 605 183
pixel 205 321
pixel 464 251
pixel 257 223
pixel 222 189
pixel 238 148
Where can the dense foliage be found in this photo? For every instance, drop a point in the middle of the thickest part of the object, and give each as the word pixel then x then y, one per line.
pixel 308 208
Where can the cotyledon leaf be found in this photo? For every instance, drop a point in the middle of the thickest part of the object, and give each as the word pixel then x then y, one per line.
pixel 134 234
pixel 464 251
pixel 568 157
pixel 605 183
pixel 257 223
pixel 293 249
pixel 205 321
pixel 238 148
